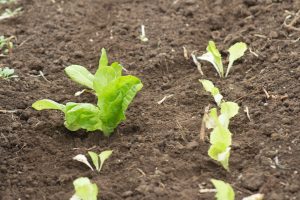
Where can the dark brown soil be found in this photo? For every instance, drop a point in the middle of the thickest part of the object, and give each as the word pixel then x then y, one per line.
pixel 157 152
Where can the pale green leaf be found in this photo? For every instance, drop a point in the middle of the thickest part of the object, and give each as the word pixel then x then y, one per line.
pixel 48 104
pixel 235 52
pixel 214 57
pixel 103 59
pixel 219 152
pixel 224 190
pixel 84 189
pixel 230 109
pixel 104 76
pixel 114 100
pixel 82 116
pixel 80 75
pixel 104 155
pixel 95 159
pixel 214 91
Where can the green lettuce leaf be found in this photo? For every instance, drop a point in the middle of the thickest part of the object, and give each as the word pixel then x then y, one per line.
pixel 103 61
pixel 84 189
pixel 80 75
pixel 114 100
pixel 95 159
pixel 235 52
pixel 214 91
pixel 224 190
pixel 104 155
pixel 48 104
pixel 214 57
pixel 104 76
pixel 82 115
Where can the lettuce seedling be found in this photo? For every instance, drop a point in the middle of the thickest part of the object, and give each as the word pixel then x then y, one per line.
pixel 84 189
pixel 214 57
pixel 8 13
pixel 103 156
pixel 218 121
pixel 224 190
pixel 7 1
pixel 114 93
pixel 7 73
pixel 6 44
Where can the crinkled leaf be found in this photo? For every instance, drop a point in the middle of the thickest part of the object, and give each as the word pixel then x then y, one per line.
pixel 48 104
pixel 224 190
pixel 103 59
pixel 235 52
pixel 84 189
pixel 80 75
pixel 214 91
pixel 103 156
pixel 220 134
pixel 104 76
pixel 214 57
pixel 114 100
pixel 220 153
pixel 230 109
pixel 82 158
pixel 82 115
pixel 95 159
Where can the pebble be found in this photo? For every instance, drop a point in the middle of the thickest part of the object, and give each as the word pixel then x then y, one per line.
pixel 127 194
pixel 192 145
pixel 273 34
pixel 253 181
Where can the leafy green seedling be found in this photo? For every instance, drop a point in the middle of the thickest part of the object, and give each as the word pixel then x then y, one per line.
pixel 213 56
pixel 143 37
pixel 6 45
pixel 8 13
pixel 114 92
pixel 7 1
pixel 218 121
pixel 103 156
pixel 224 190
pixel 84 189
pixel 7 73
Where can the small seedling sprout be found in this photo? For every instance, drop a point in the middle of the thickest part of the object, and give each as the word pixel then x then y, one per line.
pixel 218 121
pixel 7 73
pixel 8 13
pixel 143 37
pixel 213 56
pixel 7 1
pixel 103 156
pixel 84 189
pixel 6 45
pixel 224 190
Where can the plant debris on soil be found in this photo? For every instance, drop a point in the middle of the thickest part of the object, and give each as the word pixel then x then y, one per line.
pixel 157 151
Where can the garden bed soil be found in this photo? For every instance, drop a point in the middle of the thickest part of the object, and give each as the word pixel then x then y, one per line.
pixel 157 153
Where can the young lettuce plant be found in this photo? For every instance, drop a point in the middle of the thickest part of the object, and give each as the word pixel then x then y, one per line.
pixel 114 93
pixel 7 73
pixel 214 57
pixel 6 45
pixel 84 189
pixel 8 13
pixel 224 190
pixel 103 156
pixel 218 120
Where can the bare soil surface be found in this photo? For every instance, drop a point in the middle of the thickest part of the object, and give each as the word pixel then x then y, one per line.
pixel 157 152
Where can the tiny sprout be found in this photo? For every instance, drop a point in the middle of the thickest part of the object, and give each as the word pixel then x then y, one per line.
pixel 8 13
pixel 7 73
pixel 84 189
pixel 143 37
